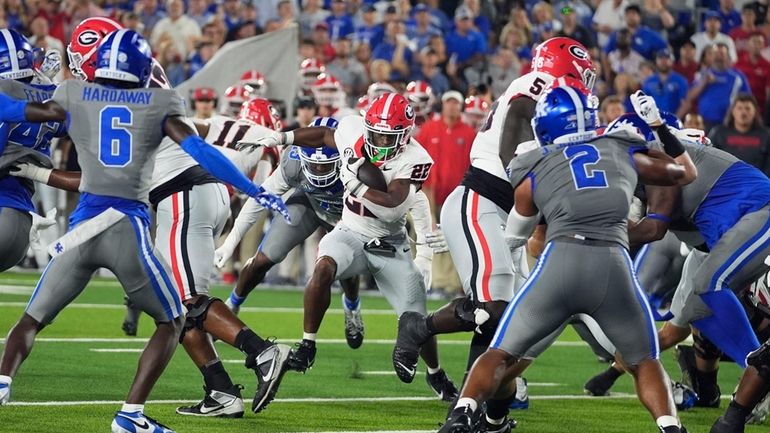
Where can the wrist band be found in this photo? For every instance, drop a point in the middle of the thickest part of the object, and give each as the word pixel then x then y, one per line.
pixel 288 137
pixel 658 217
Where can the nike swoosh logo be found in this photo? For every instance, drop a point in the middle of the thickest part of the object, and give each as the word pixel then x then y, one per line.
pixel 408 370
pixel 387 169
pixel 144 425
pixel 209 409
pixel 406 250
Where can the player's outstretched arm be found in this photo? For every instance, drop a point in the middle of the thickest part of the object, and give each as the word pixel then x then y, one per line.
pixel 653 226
pixel 17 110
pixel 66 180
pixel 312 136
pixel 657 168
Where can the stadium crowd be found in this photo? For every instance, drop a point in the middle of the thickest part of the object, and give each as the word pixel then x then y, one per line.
pixel 706 61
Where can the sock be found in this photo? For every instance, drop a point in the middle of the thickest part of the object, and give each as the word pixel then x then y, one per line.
pixel 311 336
pixel 215 377
pixel 351 305
pixel 130 408
pixel 235 299
pixel 6 379
pixel 667 421
pixel 613 374
pixel 434 370
pixel 707 382
pixel 465 401
pixel 495 421
pixel 248 342
pixel 499 408
pixel 736 413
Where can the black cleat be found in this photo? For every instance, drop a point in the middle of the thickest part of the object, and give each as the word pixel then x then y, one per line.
pixel 131 322
pixel 722 426
pixel 269 365
pixel 485 426
pixel 685 357
pixel 599 385
pixel 442 385
pixel 460 420
pixel 217 404
pixel 412 333
pixel 302 357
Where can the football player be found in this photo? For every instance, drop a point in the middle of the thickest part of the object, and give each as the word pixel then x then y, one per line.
pixel 309 72
pixel 20 140
pixel 420 95
pixel 330 96
pixel 475 112
pixel 113 210
pixel 203 101
pixel 234 97
pixel 255 81
pixel 371 236
pixel 573 169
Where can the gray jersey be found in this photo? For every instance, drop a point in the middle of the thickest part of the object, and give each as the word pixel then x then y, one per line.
pixel 582 189
pixel 711 164
pixel 326 202
pixel 116 133
pixel 33 135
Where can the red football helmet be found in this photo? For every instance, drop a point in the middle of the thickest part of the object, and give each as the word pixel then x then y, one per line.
pixel 420 95
pixel 378 89
pixel 388 122
pixel 328 91
pixel 234 96
pixel 85 39
pixel 256 81
pixel 261 112
pixel 362 104
pixel 309 70
pixel 475 112
pixel 567 81
pixel 564 56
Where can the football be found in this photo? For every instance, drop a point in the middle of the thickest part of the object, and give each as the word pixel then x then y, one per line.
pixel 371 176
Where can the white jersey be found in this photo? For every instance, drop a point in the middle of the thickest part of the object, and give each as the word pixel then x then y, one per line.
pixel 412 163
pixel 171 160
pixel 485 152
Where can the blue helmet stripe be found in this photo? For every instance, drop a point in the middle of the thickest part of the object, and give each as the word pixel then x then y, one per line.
pixel 579 109
pixel 115 49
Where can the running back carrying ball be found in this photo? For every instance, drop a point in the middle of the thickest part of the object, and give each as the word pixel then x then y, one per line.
pixel 370 175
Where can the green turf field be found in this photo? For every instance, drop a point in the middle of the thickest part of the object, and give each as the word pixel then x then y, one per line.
pixel 82 365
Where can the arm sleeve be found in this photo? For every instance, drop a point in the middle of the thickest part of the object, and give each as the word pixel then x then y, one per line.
pixel 423 223
pixel 218 165
pixel 391 214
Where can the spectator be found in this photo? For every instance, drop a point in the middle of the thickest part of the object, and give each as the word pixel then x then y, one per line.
pixel 546 31
pixel 608 19
pixel 198 11
pixel 312 14
pixel 379 71
pixel 480 21
pixel 438 45
pixel 215 32
pixel 363 53
pixel 741 34
pixel 430 73
pixel 756 69
pixel 16 15
pixel 41 38
pixel 391 15
pixel 667 86
pixel 610 109
pixel 231 10
pixel 57 19
pixel 743 134
pixel 624 85
pixel 322 43
pixel 307 49
pixel 307 110
pixel 130 20
pixel 149 14
pixel 712 36
pixel 448 140
pixel 204 51
pixel 267 10
pixel 504 67
pixel 350 73
pixel 717 88
pixel 515 39
pixel 520 20
pixel 182 30
pixel 623 58
pixel 694 120
pixel 573 29
pixel 370 32
pixel 204 103
pixel 171 60
pixel 643 40
pixel 420 29
pixel 438 17
pixel 542 15
pixel 465 44
pixel 286 13
pixel 394 49
pixel 728 16
pixel 340 22
pixel 688 64
pixel 657 16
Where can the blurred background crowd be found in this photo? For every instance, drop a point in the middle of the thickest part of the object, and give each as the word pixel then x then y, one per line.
pixel 707 61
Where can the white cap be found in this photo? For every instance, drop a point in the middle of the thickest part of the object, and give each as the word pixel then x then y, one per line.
pixel 452 94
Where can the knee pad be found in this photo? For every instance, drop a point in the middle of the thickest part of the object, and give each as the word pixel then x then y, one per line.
pixel 196 313
pixel 705 348
pixel 760 359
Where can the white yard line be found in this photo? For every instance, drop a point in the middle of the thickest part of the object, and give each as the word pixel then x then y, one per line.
pixel 119 350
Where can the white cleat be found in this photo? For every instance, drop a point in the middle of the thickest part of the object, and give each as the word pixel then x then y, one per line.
pixel 137 422
pixel 5 393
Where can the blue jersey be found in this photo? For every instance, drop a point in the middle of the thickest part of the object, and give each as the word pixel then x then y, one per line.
pixel 37 136
pixel 717 96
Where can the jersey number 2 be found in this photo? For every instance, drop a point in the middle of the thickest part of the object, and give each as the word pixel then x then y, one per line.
pixel 581 157
pixel 115 139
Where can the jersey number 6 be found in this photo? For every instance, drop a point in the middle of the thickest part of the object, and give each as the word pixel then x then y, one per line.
pixel 581 157
pixel 114 137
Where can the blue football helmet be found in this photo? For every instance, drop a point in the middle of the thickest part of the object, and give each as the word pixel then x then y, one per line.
pixel 671 120
pixel 321 165
pixel 17 58
pixel 124 55
pixel 632 123
pixel 565 114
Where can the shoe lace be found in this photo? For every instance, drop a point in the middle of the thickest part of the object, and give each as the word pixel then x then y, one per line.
pixel 353 322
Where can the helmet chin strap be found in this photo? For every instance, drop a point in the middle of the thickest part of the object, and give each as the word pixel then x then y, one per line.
pixel 382 153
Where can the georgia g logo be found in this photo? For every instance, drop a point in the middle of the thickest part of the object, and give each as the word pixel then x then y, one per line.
pixel 578 52
pixel 88 37
pixel 409 111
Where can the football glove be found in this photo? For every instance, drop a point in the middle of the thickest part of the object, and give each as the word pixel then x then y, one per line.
pixel 349 177
pixel 274 203
pixel 646 108
pixel 51 64
pixel 40 223
pixel 273 139
pixel 31 171
pixel 691 136
pixel 436 241
pixel 223 254
pixel 425 265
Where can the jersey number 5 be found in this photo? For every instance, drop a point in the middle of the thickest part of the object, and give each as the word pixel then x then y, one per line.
pixel 581 157
pixel 114 137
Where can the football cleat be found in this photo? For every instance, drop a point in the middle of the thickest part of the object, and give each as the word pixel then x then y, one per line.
pixel 521 400
pixel 270 366
pixel 684 397
pixel 685 357
pixel 442 385
pixel 412 333
pixel 137 422
pixel 217 403
pixel 5 393
pixel 460 420
pixel 722 426
pixel 758 415
pixel 302 357
pixel 484 426
pixel 131 322
pixel 599 385
pixel 354 326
